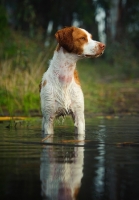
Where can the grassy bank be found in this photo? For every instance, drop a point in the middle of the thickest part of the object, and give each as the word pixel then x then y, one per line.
pixel 107 91
pixel 106 86
pixel 19 90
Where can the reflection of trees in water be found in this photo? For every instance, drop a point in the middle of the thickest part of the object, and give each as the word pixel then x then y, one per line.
pixel 111 171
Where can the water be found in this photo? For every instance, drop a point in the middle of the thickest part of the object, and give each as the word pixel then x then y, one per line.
pixel 103 165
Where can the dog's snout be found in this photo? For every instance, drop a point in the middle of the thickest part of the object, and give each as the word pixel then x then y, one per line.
pixel 101 45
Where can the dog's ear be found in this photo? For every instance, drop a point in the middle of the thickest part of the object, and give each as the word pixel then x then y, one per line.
pixel 65 39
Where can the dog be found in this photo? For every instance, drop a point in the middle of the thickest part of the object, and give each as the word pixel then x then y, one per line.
pixel 60 89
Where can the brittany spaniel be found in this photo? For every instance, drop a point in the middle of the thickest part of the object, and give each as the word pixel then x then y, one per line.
pixel 60 89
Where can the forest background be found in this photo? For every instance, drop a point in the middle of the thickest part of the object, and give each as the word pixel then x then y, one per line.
pixel 27 27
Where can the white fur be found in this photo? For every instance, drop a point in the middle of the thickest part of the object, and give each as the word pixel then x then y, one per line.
pixel 61 94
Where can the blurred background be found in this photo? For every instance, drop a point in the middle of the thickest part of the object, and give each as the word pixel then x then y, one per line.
pixel 27 27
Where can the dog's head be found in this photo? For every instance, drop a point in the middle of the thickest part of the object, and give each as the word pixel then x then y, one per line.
pixel 79 41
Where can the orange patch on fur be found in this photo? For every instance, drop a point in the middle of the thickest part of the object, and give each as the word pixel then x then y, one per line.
pixel 76 192
pixel 71 39
pixel 79 39
pixel 44 83
pixel 64 38
pixel 76 77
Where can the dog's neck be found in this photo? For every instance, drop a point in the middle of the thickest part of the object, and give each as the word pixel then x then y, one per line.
pixel 63 65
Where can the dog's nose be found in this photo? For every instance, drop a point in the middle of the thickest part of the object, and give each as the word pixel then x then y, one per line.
pixel 102 46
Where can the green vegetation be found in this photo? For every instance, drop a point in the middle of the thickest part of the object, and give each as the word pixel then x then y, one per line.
pixel 109 86
pixel 106 90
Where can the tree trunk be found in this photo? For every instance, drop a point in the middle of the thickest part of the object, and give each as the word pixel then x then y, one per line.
pixel 113 18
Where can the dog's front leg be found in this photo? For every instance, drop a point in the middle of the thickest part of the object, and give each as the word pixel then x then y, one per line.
pixel 48 109
pixel 47 124
pixel 79 122
pixel 77 107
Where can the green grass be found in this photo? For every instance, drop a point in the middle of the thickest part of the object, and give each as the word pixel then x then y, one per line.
pixel 20 92
pixel 106 91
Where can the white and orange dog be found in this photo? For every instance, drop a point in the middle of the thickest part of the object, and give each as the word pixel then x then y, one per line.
pixel 60 89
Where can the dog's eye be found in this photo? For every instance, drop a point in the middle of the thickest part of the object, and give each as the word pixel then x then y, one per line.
pixel 82 38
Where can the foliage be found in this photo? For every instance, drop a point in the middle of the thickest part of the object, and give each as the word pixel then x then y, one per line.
pixel 7 47
pixel 123 58
pixel 21 75
pixel 4 30
pixel 106 90
pixel 32 15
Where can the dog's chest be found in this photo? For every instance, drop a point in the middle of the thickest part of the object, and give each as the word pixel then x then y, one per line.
pixel 64 74
pixel 63 97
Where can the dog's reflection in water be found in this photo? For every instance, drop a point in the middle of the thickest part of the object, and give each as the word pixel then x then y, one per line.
pixel 61 170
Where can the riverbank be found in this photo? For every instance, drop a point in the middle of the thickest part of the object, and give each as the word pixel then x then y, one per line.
pixel 110 86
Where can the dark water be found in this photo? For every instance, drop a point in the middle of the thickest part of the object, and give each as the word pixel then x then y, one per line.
pixel 103 165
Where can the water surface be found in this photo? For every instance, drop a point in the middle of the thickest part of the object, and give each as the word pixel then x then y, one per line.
pixel 103 165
